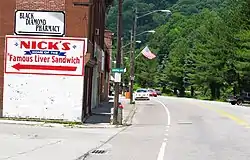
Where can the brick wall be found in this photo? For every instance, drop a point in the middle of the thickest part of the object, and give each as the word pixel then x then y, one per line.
pixel 108 37
pixel 99 18
pixel 7 8
pixel 76 19
pixel 76 22
pixel 54 5
pixel 76 16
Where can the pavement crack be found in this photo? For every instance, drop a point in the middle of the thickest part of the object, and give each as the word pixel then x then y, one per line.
pixel 32 150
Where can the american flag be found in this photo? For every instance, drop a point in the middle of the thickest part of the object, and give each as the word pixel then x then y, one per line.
pixel 147 53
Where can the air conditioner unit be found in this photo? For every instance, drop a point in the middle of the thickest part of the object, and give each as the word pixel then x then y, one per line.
pixel 97 31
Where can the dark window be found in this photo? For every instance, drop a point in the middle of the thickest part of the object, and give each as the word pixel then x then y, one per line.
pixel 141 91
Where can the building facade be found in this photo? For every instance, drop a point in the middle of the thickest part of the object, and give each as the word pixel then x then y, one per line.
pixel 108 39
pixel 84 19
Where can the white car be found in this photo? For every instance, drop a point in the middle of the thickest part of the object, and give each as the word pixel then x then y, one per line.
pixel 142 94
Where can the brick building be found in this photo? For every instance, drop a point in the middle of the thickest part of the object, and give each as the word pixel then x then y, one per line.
pixel 108 38
pixel 84 18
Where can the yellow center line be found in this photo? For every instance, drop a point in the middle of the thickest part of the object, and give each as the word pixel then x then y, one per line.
pixel 223 113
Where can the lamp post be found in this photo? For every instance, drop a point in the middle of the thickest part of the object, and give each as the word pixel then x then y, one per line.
pixel 132 57
pixel 131 42
pixel 149 31
pixel 122 64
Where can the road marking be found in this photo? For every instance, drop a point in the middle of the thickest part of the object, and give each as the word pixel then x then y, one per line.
pixel 229 116
pixel 162 151
pixel 223 113
pixel 184 122
pixel 167 111
pixel 164 143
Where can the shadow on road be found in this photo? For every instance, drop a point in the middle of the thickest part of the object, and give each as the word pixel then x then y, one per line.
pixel 101 114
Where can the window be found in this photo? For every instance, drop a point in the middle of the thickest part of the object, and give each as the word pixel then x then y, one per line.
pixel 103 60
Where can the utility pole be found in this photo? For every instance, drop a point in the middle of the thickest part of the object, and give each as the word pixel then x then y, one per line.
pixel 122 64
pixel 132 58
pixel 116 117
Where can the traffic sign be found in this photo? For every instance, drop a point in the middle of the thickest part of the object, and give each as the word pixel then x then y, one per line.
pixel 118 70
pixel 117 77
pixel 45 55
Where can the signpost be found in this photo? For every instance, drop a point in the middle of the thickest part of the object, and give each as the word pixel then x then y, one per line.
pixel 117 77
pixel 40 23
pixel 47 56
pixel 118 70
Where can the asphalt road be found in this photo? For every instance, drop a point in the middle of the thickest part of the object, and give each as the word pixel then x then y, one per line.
pixel 164 128
pixel 167 128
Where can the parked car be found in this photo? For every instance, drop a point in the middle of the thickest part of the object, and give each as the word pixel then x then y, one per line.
pixel 239 100
pixel 152 92
pixel 142 94
pixel 158 91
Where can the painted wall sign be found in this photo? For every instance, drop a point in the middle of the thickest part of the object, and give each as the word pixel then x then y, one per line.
pixel 45 55
pixel 43 23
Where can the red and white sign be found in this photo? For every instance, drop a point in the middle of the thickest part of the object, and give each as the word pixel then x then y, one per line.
pixel 45 55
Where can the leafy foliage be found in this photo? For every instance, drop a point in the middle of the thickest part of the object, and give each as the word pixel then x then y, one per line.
pixel 204 46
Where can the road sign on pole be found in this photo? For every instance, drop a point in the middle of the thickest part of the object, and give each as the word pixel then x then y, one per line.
pixel 118 77
pixel 118 70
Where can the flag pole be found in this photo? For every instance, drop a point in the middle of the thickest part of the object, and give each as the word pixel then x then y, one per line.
pixel 138 55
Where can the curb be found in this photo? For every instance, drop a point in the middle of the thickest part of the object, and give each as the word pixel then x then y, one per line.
pixel 30 123
pixel 129 118
pixel 57 125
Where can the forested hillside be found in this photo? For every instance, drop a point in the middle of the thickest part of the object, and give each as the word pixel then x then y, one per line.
pixel 203 47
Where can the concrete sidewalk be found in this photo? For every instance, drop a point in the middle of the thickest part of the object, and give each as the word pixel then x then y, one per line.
pixel 24 142
pixel 102 114
pixel 100 118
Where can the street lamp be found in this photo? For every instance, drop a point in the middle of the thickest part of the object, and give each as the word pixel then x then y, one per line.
pixel 132 56
pixel 163 11
pixel 122 61
pixel 150 31
pixel 166 11
pixel 130 43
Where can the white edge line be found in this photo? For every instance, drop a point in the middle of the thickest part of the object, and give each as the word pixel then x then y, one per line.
pixel 164 143
pixel 167 111
pixel 162 150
